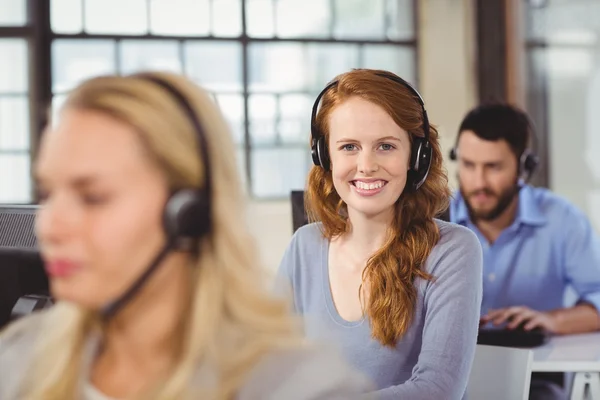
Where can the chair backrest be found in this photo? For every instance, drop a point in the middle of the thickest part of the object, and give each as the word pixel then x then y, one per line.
pixel 21 266
pixel 500 373
pixel 299 217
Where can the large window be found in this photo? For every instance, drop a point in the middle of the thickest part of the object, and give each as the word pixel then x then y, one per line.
pixel 263 61
pixel 563 47
pixel 14 103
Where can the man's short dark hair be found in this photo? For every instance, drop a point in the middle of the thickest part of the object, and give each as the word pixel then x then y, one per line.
pixel 499 121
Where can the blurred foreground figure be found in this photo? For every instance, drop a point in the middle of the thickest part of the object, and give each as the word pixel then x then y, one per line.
pixel 159 291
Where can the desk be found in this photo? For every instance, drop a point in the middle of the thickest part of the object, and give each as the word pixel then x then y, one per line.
pixel 573 353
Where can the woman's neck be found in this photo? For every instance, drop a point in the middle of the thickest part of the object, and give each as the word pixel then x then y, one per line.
pixel 146 334
pixel 367 234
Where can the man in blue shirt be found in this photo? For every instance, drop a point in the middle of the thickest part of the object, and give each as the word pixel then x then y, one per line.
pixel 535 243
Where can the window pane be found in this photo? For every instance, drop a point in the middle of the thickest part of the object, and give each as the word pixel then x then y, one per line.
pixel 400 15
pixel 276 171
pixel 13 74
pixel 180 17
pixel 294 126
pixel 564 63
pixel 563 91
pixel 325 61
pixel 241 164
pixel 262 110
pixel 216 65
pixel 136 55
pixel 564 21
pixel 57 102
pixel 13 12
pixel 76 60
pixel 66 16
pixel 315 21
pixel 227 18
pixel 260 16
pixel 265 67
pixel 359 19
pixel 14 123
pixel 308 66
pixel 570 79
pixel 398 59
pixel 232 107
pixel 15 178
pixel 116 16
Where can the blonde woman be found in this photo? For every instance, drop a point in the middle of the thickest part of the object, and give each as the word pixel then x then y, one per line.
pixel 143 235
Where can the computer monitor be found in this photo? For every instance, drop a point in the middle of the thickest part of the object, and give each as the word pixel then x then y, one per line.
pixel 21 268
pixel 299 217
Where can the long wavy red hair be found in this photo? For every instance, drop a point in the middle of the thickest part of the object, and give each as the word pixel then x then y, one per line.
pixel 412 234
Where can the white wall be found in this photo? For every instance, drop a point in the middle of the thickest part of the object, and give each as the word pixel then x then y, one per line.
pixel 271 223
pixel 447 66
pixel 447 79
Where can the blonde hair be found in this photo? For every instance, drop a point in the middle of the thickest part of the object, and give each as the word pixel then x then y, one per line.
pixel 232 321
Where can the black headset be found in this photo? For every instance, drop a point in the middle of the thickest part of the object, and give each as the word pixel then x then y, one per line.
pixel 421 151
pixel 528 162
pixel 187 213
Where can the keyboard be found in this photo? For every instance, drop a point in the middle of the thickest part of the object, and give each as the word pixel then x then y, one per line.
pixel 513 337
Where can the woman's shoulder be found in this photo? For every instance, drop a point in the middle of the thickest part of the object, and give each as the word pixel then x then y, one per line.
pixel 456 247
pixel 303 249
pixel 456 237
pixel 308 236
pixel 451 232
pixel 306 373
pixel 17 343
pixel 22 333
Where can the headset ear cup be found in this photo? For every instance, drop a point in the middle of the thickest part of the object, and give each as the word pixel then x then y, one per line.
pixel 314 152
pixel 453 154
pixel 420 163
pixel 528 164
pixel 531 163
pixel 186 215
pixel 323 154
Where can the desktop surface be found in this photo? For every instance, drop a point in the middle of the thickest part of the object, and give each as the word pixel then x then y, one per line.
pixel 569 353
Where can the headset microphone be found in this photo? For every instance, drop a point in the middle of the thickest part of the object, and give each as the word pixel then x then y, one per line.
pixel 115 306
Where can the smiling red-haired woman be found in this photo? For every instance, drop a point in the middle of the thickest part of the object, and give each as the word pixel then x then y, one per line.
pixel 398 290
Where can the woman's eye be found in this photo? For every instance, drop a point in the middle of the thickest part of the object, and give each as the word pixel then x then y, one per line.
pixel 349 147
pixel 93 200
pixel 43 195
pixel 386 146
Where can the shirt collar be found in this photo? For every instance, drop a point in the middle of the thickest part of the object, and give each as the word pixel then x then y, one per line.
pixel 528 210
pixel 462 214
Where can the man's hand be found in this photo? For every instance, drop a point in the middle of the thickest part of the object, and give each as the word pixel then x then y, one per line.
pixel 515 316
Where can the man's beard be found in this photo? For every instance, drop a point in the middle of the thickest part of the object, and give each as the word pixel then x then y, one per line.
pixel 505 198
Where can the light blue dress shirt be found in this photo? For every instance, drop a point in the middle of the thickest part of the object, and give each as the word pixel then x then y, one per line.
pixel 549 247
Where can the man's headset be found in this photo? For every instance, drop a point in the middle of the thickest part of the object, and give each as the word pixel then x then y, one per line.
pixel 187 213
pixel 421 152
pixel 528 162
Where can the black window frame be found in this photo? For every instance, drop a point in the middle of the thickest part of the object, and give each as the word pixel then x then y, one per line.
pixel 40 35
